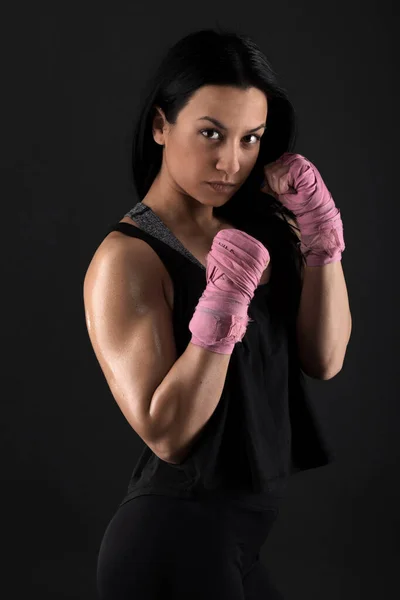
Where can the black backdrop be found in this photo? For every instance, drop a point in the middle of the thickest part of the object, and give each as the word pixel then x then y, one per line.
pixel 70 75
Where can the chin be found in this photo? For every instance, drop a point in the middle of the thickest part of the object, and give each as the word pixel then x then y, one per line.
pixel 212 199
pixel 216 203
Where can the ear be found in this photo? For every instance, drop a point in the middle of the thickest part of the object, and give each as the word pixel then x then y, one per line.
pixel 158 125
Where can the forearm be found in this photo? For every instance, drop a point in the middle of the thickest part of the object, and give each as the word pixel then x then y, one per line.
pixel 187 397
pixel 323 320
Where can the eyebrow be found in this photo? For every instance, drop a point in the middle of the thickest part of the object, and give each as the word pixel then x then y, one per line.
pixel 218 124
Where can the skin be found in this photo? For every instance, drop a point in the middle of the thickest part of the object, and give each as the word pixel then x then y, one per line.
pixel 196 151
pixel 192 156
pixel 139 327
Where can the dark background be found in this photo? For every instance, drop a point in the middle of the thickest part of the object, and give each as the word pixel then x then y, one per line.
pixel 71 77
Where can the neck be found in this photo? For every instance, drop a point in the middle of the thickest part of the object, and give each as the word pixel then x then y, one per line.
pixel 179 210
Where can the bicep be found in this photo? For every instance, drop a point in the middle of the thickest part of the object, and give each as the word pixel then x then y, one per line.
pixel 130 327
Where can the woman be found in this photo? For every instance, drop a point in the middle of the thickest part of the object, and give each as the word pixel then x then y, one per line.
pixel 191 303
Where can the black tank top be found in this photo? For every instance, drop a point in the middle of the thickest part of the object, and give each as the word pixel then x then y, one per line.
pixel 263 429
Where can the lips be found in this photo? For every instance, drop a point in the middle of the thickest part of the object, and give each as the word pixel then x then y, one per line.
pixel 222 183
pixel 220 188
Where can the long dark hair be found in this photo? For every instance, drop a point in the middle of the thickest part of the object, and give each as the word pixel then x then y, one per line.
pixel 224 57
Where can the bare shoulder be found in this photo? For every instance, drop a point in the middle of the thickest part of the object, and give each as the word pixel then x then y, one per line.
pixel 119 246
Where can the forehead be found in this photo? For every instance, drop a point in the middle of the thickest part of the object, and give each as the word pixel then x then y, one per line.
pixel 224 101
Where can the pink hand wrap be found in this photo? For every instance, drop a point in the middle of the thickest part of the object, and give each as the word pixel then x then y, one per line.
pixel 319 220
pixel 235 265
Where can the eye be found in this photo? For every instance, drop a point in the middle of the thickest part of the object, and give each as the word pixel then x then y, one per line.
pixel 258 137
pixel 207 131
pixel 216 131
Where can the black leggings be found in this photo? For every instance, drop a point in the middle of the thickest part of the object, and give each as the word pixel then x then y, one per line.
pixel 161 548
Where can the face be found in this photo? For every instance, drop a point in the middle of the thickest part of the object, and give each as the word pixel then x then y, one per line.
pixel 197 151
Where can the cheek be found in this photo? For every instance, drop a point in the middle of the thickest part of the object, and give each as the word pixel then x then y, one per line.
pixel 188 162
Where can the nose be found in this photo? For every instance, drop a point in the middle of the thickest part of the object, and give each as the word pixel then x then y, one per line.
pixel 228 160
